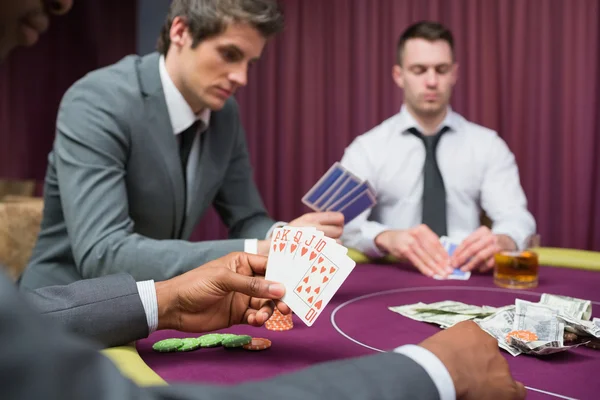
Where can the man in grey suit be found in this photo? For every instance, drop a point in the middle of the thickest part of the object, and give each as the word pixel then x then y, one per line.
pixel 144 147
pixel 42 361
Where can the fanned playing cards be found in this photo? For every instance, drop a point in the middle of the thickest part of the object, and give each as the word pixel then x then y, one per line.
pixel 312 267
pixel 340 190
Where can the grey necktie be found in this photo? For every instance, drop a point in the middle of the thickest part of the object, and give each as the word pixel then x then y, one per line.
pixel 434 191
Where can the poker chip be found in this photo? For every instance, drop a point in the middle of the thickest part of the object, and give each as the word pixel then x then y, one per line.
pixel 227 335
pixel 167 345
pixel 237 341
pixel 279 322
pixel 210 340
pixel 258 344
pixel 525 336
pixel 228 340
pixel 189 344
pixel 279 327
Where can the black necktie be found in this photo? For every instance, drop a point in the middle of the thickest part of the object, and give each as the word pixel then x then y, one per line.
pixel 434 192
pixel 185 146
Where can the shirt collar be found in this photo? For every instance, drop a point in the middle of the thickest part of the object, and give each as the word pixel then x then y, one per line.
pixel 181 114
pixel 407 121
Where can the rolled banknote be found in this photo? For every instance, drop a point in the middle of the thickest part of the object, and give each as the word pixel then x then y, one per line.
pixel 421 312
pixel 455 307
pixel 570 306
pixel 580 327
pixel 539 348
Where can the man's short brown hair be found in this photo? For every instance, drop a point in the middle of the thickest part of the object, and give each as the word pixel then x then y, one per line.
pixel 206 18
pixel 428 30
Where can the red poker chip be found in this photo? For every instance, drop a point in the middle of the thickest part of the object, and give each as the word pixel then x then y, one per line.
pixel 258 344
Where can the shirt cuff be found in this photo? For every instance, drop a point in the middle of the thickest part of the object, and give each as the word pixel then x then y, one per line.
pixel 251 246
pixel 147 292
pixel 518 237
pixel 276 225
pixel 369 231
pixel 434 368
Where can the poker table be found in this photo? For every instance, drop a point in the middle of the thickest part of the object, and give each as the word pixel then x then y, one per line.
pixel 357 322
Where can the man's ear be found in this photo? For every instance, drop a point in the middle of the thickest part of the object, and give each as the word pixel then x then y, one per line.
pixel 398 75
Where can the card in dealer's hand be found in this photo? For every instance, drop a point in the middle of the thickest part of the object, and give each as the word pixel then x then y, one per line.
pixel 450 246
pixel 311 266
pixel 340 190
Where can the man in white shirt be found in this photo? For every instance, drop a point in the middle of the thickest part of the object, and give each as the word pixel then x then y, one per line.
pixel 434 171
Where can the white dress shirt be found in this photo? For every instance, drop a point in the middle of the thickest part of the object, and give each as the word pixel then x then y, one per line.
pixel 478 169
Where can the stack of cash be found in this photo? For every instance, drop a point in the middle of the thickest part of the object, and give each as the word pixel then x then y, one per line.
pixel 554 324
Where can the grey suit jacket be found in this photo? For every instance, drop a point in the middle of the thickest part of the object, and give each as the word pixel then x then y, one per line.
pixel 41 361
pixel 107 310
pixel 114 190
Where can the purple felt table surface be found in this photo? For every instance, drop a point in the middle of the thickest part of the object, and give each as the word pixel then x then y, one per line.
pixel 357 322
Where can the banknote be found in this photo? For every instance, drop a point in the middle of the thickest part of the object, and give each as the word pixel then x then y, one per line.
pixel 570 306
pixel 540 348
pixel 456 307
pixel 539 319
pixel 422 312
pixel 581 327
pixel 549 320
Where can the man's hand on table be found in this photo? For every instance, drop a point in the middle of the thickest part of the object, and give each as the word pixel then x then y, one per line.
pixel 420 246
pixel 477 251
pixel 473 359
pixel 228 291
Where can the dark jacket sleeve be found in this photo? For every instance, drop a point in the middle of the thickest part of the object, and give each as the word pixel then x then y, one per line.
pixel 42 361
pixel 107 310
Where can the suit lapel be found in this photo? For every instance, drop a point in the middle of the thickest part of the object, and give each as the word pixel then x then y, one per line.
pixel 159 129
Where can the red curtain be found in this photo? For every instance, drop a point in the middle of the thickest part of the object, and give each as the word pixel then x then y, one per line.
pixel 32 81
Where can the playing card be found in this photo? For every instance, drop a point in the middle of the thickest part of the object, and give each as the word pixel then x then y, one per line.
pixel 332 175
pixel 348 186
pixel 276 254
pixel 325 266
pixel 339 190
pixel 450 246
pixel 357 205
pixel 284 243
pixel 325 199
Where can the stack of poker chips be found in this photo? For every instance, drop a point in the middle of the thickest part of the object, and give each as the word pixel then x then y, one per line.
pixel 279 322
pixel 227 340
